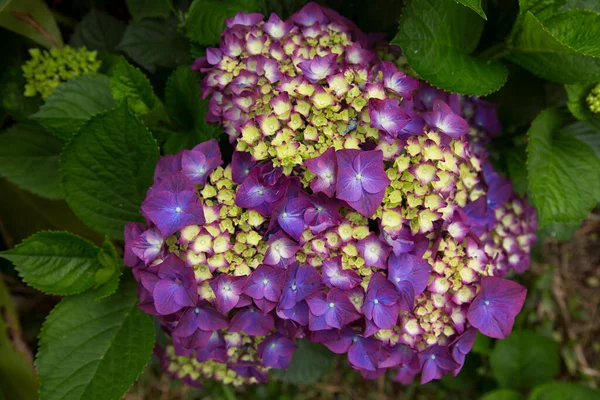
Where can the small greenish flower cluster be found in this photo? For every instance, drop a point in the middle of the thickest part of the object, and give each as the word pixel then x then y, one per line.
pixel 241 348
pixel 429 181
pixel 593 99
pixel 231 241
pixel 48 69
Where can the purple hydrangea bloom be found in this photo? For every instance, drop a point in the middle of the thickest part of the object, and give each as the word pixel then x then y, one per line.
pixel 244 19
pixel 335 276
pixel 276 27
pixel 214 349
pixel 298 313
pixel 173 204
pixel 290 214
pixel 276 351
pixel 331 310
pixel 252 322
pixel 228 290
pixel 462 346
pixel 363 353
pixel 175 287
pixel 248 369
pixel 374 251
pixel 319 67
pixel 410 275
pixel 166 166
pixel 443 119
pixel 241 165
pixel 499 189
pixel 322 214
pixel 325 167
pixel 495 307
pixel 435 362
pixel 388 117
pixel 310 14
pixel 300 282
pixel 197 323
pixel 148 245
pixel 132 231
pixel 265 282
pixel 361 179
pixel 262 190
pixel 398 82
pixel 199 162
pixel 281 251
pixel 408 369
pixel 381 302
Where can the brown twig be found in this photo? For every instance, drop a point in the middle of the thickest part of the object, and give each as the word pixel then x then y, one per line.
pixel 28 19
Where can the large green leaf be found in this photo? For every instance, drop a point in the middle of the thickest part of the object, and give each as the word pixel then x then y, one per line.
pixel 564 391
pixel 56 262
pixel 140 9
pixel 184 103
pixel 94 349
pixel 577 103
pixel 98 31
pixel 73 102
pixel 474 5
pixel 206 18
pixel 107 169
pixel 592 5
pixel 564 173
pixel 586 131
pixel 309 363
pixel 12 95
pixel 155 43
pixel 525 359
pixel 32 19
pixel 29 158
pixel 129 83
pixel 553 46
pixel 438 37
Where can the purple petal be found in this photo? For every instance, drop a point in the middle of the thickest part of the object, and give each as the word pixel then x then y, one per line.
pixel 325 167
pixel 387 116
pixel 409 268
pixel 494 309
pixel 251 322
pixel 445 120
pixel 335 276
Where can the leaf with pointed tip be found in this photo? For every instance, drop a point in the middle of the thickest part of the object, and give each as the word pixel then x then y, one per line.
pixel 106 170
pixel 56 262
pixel 94 349
pixel 73 103
pixel 564 390
pixel 474 5
pixel 564 172
pixel 438 38
pixel 98 31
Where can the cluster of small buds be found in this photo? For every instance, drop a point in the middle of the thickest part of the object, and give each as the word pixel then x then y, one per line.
pixel 48 69
pixel 385 242
pixel 593 99
pixel 289 90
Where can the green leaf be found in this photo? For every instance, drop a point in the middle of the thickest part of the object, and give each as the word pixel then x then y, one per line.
pixel 586 131
pixel 109 276
pixel 98 31
pixel 12 97
pixel 516 166
pixel 94 350
pixel 56 262
pixel 129 83
pixel 309 363
pixel 73 102
pixel 577 29
pixel 32 19
pixel 140 9
pixel 474 5
pixel 183 101
pixel 591 5
pixel 576 100
pixel 558 231
pixel 525 359
pixel 438 37
pixel 550 48
pixel 107 169
pixel 502 394
pixel 564 391
pixel 206 18
pixel 155 43
pixel 564 173
pixel 29 158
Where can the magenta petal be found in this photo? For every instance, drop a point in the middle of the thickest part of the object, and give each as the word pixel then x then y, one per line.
pixel 164 297
pixel 367 204
pixel 494 309
pixel 446 121
pixel 251 322
pixel 409 268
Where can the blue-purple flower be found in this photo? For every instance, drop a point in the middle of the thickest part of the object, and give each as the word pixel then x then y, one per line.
pixel 331 310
